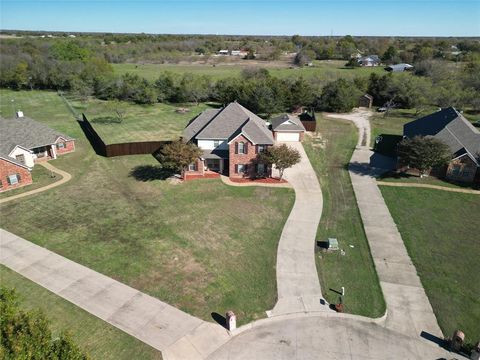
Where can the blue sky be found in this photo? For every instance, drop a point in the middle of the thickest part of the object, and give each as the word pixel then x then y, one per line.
pixel 281 17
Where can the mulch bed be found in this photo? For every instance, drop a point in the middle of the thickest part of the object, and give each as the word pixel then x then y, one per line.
pixel 263 181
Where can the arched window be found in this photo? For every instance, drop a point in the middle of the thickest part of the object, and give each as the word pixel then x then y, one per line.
pixel 241 147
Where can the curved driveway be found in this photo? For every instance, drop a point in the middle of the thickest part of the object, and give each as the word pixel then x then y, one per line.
pixel 297 279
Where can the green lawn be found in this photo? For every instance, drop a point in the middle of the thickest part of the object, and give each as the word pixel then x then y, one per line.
pixel 141 123
pixel 341 219
pixel 99 339
pixel 431 180
pixel 440 231
pixel 326 70
pixel 40 176
pixel 201 246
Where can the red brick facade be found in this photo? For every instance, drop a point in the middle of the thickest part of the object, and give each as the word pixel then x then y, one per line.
pixel 247 159
pixel 8 168
pixel 68 146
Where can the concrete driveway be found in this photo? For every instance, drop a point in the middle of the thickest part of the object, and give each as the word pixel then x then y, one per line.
pixel 408 308
pixel 297 279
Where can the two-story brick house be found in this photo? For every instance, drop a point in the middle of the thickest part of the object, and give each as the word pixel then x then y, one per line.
pixel 231 139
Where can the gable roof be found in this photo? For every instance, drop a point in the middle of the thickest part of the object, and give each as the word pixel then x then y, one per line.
pixel 449 126
pixel 26 133
pixel 287 122
pixel 227 123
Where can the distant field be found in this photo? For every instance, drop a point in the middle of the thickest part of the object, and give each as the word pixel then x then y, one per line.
pixel 325 70
pixel 141 122
pixel 440 231
pixel 94 336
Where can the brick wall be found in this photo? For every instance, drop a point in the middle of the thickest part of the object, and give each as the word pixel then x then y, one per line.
pixel 7 168
pixel 199 172
pixel 465 169
pixel 69 147
pixel 248 159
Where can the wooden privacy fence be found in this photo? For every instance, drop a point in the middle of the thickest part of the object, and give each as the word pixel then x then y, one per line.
pixel 309 121
pixel 120 149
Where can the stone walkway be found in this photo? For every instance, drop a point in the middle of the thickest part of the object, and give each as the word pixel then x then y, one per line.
pixel 428 186
pixel 177 334
pixel 65 177
pixel 297 279
pixel 408 309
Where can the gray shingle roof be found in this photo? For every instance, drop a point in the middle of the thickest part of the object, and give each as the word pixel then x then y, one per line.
pixel 286 122
pixel 227 123
pixel 449 126
pixel 27 133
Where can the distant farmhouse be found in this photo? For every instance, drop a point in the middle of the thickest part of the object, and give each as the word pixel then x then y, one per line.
pixel 231 139
pixel 399 68
pixel 463 139
pixel 25 142
pixel 370 60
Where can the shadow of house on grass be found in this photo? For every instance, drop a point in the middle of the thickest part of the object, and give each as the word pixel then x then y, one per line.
pixel 150 173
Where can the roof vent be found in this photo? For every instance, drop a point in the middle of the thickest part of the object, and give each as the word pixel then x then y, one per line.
pixel 19 114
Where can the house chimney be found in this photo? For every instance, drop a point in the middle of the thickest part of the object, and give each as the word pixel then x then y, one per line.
pixel 19 114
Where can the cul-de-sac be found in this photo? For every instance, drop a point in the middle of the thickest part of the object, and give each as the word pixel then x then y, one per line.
pixel 239 180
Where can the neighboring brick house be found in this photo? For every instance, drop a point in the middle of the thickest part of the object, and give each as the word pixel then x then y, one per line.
pixel 463 139
pixel 24 142
pixel 231 139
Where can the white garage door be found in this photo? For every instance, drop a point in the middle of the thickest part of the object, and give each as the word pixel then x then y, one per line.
pixel 288 136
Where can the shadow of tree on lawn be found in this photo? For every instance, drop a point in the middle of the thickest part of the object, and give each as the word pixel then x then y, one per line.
pixel 150 173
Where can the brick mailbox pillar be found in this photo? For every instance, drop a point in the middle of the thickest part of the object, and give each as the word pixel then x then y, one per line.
pixel 231 320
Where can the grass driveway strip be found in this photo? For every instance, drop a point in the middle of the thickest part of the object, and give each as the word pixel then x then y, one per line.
pixel 329 154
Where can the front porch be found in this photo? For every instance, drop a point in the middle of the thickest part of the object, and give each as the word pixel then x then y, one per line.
pixel 44 153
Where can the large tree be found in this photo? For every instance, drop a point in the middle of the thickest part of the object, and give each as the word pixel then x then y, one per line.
pixel 27 335
pixel 178 154
pixel 339 96
pixel 423 153
pixel 282 156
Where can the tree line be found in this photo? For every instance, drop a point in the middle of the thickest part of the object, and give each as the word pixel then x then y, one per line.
pixel 70 65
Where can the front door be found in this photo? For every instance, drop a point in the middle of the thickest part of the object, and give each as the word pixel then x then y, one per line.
pixel 226 167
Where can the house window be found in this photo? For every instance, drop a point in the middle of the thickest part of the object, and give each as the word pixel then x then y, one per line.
pixel 241 168
pixel 192 167
pixel 261 148
pixel 456 170
pixel 241 148
pixel 20 158
pixel 13 179
pixel 260 169
pixel 216 143
pixel 61 145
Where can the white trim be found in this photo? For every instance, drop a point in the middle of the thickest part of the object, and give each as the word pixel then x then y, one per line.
pixel 469 155
pixel 21 147
pixel 244 136
pixel 14 163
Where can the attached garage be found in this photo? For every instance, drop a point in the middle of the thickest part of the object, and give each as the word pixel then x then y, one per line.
pixel 287 128
pixel 287 136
